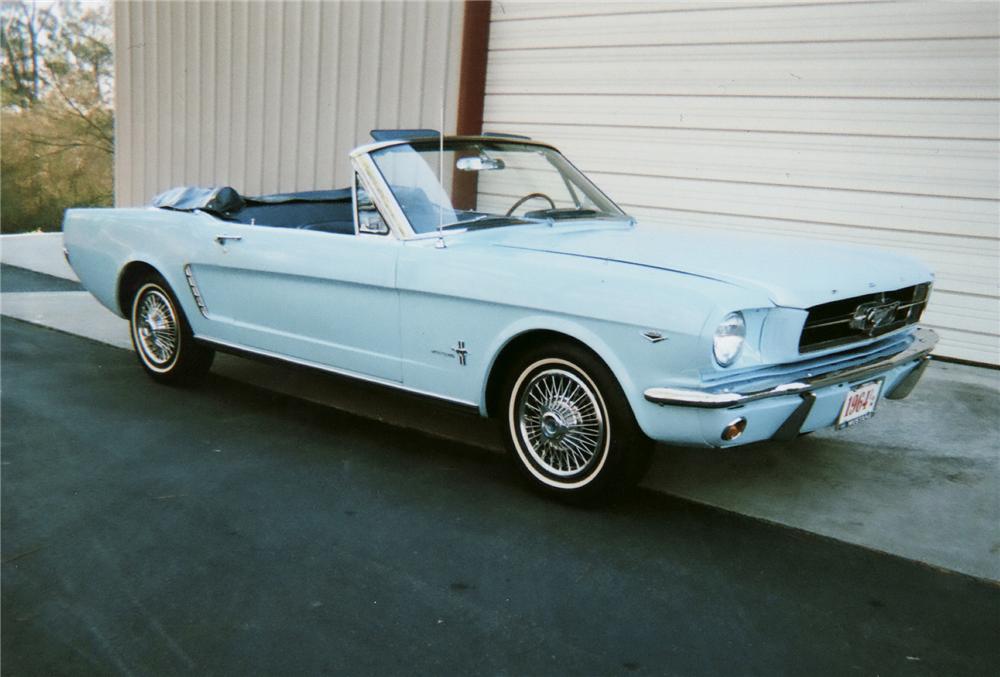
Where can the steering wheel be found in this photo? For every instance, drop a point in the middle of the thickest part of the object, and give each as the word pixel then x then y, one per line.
pixel 530 196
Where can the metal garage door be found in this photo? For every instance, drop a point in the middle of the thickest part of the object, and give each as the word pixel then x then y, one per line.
pixel 862 122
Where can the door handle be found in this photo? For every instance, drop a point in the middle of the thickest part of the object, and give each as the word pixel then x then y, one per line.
pixel 222 239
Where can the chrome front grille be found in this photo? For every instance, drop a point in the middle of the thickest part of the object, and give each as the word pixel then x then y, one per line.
pixel 862 317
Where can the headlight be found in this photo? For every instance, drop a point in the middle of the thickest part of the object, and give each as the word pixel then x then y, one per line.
pixel 728 339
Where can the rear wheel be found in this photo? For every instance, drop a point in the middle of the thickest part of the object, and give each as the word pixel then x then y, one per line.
pixel 569 427
pixel 161 336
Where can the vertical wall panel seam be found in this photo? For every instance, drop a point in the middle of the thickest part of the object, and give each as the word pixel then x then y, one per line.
pixel 357 83
pixel 422 96
pixel 422 56
pixel 147 110
pixel 226 69
pixel 320 84
pixel 378 69
pixel 210 111
pixel 137 39
pixel 263 109
pixel 233 101
pixel 245 104
pixel 178 91
pixel 167 35
pixel 337 98
pixel 403 44
pixel 152 87
pixel 186 100
pixel 296 185
pixel 278 131
pixel 195 129
pixel 217 91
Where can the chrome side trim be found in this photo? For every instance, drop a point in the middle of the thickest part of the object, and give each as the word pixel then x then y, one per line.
pixel 332 370
pixel 923 343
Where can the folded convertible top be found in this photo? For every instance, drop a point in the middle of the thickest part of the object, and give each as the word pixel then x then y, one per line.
pixel 223 200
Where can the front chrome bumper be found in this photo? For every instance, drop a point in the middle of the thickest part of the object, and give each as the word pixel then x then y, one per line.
pixel 918 351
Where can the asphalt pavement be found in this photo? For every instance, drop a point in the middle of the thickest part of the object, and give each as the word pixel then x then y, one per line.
pixel 226 529
pixel 14 279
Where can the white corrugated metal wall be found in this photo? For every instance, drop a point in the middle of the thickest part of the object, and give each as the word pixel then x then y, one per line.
pixel 866 122
pixel 271 96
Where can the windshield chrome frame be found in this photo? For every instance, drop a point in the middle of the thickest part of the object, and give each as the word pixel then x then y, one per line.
pixel 380 192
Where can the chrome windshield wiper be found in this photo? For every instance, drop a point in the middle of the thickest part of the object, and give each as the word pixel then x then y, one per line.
pixel 489 221
pixel 570 213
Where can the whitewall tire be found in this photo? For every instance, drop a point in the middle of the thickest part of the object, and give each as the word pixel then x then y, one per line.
pixel 161 336
pixel 568 425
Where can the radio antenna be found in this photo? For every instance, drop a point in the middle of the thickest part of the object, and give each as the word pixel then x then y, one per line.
pixel 440 241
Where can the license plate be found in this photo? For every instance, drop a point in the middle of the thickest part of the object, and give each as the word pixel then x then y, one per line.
pixel 859 404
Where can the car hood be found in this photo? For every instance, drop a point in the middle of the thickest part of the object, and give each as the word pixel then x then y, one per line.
pixel 792 272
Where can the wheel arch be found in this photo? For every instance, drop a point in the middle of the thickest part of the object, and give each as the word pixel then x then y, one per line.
pixel 524 338
pixel 128 280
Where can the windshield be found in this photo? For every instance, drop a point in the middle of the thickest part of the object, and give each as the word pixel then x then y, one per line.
pixel 487 184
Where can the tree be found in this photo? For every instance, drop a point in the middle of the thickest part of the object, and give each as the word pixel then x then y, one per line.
pixel 58 119
pixel 25 25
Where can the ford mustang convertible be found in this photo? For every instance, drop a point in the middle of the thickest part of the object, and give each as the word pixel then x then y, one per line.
pixel 489 272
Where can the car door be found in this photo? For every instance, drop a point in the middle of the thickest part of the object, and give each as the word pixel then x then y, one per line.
pixel 321 298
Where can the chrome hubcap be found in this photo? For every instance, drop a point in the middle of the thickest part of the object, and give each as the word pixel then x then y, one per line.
pixel 156 327
pixel 561 422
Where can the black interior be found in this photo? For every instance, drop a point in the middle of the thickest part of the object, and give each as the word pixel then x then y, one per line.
pixel 329 211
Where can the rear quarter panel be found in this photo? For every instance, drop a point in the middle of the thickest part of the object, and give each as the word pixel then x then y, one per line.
pixel 102 242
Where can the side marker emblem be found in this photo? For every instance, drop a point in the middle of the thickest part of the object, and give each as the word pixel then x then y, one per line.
pixel 461 352
pixel 653 336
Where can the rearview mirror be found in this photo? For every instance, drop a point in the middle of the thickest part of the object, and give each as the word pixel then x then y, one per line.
pixel 478 164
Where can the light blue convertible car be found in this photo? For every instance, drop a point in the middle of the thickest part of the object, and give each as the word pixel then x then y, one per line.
pixel 489 272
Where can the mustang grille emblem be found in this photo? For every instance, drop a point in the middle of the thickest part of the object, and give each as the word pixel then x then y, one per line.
pixel 874 315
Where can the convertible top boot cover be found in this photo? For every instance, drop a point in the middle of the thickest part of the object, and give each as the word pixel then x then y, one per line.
pixel 218 200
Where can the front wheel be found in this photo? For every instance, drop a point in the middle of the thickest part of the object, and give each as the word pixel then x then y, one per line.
pixel 569 426
pixel 162 338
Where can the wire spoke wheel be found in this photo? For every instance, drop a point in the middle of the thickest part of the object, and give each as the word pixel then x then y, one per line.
pixel 569 427
pixel 561 422
pixel 163 340
pixel 155 328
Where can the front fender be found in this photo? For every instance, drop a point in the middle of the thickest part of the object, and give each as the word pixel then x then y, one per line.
pixel 634 360
pixel 570 327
